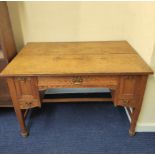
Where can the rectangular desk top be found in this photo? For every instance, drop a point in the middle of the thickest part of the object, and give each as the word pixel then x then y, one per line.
pixel 69 58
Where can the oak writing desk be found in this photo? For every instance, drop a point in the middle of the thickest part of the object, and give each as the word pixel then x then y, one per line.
pixel 111 64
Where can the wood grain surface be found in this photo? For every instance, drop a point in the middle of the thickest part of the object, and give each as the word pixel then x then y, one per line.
pixel 110 57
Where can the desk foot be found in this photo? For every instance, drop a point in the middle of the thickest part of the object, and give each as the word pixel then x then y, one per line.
pixel 132 133
pixel 24 133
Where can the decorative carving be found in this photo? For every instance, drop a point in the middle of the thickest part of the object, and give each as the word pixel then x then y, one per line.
pixel 77 80
pixel 27 93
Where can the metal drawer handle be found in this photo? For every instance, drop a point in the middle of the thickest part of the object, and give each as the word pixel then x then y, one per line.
pixel 125 101
pixel 77 80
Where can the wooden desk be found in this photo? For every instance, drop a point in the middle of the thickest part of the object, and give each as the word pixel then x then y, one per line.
pixel 113 64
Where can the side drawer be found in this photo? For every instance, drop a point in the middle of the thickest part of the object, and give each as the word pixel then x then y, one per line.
pixel 78 81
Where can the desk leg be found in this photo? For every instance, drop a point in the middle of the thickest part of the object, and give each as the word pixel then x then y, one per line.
pixel 140 89
pixel 19 114
pixel 25 95
pixel 134 118
pixel 21 120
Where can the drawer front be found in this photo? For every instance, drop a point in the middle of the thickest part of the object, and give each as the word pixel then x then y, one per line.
pixel 78 81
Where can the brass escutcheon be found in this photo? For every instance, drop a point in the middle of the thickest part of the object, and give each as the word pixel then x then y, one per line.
pixel 77 80
pixel 125 101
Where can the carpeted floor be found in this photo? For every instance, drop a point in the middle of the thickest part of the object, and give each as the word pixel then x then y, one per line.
pixel 73 128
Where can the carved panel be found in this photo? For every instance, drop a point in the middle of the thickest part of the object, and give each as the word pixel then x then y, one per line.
pixel 27 92
pixel 127 86
pixel 126 92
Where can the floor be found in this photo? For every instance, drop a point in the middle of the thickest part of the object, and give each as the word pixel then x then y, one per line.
pixel 73 128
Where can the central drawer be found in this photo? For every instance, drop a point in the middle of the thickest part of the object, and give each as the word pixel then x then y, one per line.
pixel 77 82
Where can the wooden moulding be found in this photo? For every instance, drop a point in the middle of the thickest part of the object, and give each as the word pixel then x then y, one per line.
pixel 75 100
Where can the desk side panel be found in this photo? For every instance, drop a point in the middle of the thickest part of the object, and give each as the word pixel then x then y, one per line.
pixel 130 89
pixel 24 92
